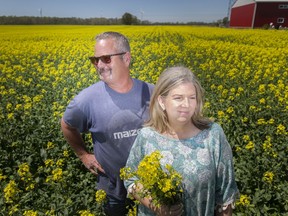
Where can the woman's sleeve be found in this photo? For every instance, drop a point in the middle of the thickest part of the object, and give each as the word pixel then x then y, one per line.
pixel 226 188
pixel 135 156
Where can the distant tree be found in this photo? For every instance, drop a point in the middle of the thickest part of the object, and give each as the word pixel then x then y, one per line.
pixel 127 19
pixel 225 21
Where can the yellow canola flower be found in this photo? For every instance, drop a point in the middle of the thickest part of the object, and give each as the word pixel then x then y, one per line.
pixel 246 138
pixel 2 177
pixel 60 162
pixel 27 106
pixel 230 110
pixel 132 211
pixel 221 114
pixel 66 153
pixel 261 121
pixel 37 98
pixel 268 177
pixel 85 213
pixel 49 162
pixel 261 88
pixel 165 185
pixel 162 184
pixel 18 107
pixel 271 121
pixel 50 213
pixel 281 129
pixel 50 145
pixel 244 120
pixel 250 145
pixel 262 101
pixel 100 196
pixel 149 169
pixel 244 200
pixel 9 106
pixel 13 209
pixel 10 191
pixel 30 213
pixel 12 91
pixel 267 145
pixel 10 116
pixel 252 108
pixel 30 187
pixel 57 174
pixel 24 172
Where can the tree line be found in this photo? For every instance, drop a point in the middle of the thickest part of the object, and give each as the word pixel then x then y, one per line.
pixel 126 19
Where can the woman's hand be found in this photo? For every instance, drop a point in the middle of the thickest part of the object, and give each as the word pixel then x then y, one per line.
pixel 227 211
pixel 174 210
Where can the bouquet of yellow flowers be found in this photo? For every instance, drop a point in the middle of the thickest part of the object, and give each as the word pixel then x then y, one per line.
pixel 163 186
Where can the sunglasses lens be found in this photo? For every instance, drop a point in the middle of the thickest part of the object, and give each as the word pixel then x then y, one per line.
pixel 106 59
pixel 94 60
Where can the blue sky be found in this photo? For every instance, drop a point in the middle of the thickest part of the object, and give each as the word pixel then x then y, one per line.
pixel 152 10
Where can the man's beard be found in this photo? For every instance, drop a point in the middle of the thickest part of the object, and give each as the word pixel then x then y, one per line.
pixel 105 73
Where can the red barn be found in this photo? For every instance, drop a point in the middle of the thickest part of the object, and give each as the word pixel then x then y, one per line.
pixel 258 13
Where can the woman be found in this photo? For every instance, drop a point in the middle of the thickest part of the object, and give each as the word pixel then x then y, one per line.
pixel 195 146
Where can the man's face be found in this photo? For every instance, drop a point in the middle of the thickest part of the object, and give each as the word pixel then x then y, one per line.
pixel 111 61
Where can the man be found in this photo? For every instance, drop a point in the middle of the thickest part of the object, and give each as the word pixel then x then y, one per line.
pixel 113 110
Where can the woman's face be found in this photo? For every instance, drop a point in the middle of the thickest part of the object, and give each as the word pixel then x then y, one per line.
pixel 180 104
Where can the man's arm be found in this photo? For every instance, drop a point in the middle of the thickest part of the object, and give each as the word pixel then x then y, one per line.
pixel 74 138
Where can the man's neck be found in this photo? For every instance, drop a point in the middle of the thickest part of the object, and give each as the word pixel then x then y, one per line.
pixel 122 87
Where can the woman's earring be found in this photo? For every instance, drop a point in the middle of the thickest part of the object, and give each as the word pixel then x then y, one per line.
pixel 163 107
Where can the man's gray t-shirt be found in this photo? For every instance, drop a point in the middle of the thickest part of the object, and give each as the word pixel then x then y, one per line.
pixel 113 119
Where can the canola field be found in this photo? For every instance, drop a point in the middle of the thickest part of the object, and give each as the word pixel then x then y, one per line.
pixel 244 73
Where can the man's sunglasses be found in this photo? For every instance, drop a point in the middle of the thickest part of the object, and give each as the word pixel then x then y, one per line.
pixel 105 58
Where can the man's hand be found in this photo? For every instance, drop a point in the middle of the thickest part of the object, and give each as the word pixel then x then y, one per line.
pixel 74 138
pixel 91 163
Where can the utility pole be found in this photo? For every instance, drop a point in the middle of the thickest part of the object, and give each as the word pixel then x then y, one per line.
pixel 230 4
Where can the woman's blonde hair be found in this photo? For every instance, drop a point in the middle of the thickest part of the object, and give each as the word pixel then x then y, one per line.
pixel 168 80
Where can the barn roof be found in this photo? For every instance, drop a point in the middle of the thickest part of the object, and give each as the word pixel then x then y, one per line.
pixel 239 3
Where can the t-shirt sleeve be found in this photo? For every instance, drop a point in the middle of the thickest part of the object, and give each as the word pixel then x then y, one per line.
pixel 226 187
pixel 75 117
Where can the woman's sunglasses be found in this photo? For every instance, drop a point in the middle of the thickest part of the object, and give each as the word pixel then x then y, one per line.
pixel 105 58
